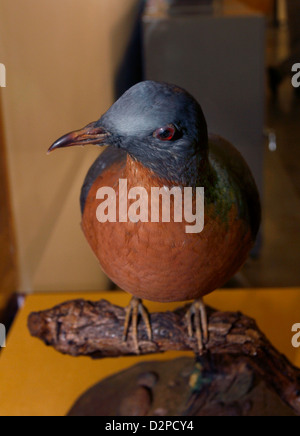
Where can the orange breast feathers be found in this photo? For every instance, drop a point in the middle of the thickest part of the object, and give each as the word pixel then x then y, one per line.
pixel 162 261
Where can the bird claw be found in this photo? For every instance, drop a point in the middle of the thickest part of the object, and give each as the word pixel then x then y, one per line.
pixel 132 312
pixel 197 324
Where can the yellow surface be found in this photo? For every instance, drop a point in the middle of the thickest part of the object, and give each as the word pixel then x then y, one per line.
pixel 36 380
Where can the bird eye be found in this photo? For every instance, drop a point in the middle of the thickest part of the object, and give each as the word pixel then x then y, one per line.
pixel 166 133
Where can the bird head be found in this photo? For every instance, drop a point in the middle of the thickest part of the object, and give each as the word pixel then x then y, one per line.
pixel 159 125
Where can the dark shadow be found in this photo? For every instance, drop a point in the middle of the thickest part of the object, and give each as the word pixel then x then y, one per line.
pixel 130 70
pixel 8 260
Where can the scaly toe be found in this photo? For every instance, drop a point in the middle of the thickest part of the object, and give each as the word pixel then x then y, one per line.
pixel 197 324
pixel 132 312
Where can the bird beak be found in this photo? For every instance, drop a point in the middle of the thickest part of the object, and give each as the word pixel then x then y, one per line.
pixel 91 134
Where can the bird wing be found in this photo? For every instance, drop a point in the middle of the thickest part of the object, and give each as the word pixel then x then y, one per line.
pixel 236 180
pixel 109 157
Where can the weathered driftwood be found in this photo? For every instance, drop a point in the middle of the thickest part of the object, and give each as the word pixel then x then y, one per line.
pixel 95 329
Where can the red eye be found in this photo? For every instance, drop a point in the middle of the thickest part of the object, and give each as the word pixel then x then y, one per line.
pixel 165 133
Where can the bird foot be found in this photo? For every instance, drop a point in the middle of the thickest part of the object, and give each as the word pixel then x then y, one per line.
pixel 132 312
pixel 197 324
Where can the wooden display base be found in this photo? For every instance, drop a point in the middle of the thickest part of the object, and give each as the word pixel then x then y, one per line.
pixel 240 374
pixel 218 385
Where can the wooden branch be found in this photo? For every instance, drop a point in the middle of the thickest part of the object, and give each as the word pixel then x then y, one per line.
pixel 84 328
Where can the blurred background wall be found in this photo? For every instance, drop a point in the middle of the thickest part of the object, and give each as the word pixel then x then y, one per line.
pixel 66 62
pixel 8 267
pixel 62 57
